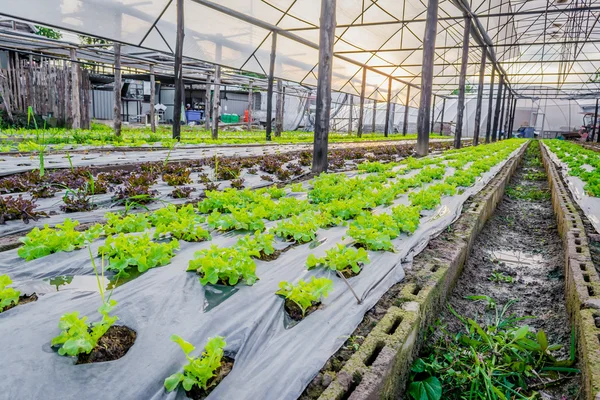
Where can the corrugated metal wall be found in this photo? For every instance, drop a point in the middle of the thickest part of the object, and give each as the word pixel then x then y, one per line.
pixel 102 104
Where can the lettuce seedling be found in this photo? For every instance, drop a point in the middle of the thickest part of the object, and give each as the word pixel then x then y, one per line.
pixel 42 242
pixel 200 371
pixel 305 294
pixel 8 296
pixel 238 219
pixel 136 251
pixel 301 228
pixel 225 265
pixel 407 217
pixel 259 242
pixel 182 223
pixel 117 223
pixel 340 258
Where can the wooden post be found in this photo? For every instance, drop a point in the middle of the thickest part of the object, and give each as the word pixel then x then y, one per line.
pixel 250 105
pixel 279 109
pixel 179 94
pixel 594 123
pixel 152 99
pixel 488 129
pixel 502 109
pixel 374 122
pixel 361 110
pixel 216 104
pixel 427 78
pixel 497 109
pixel 207 105
pixel 512 118
pixel 507 114
pixel 326 40
pixel 479 97
pixel 387 110
pixel 442 117
pixel 461 84
pixel 75 92
pixel 432 124
pixel 350 110
pixel 269 127
pixel 117 90
pixel 406 111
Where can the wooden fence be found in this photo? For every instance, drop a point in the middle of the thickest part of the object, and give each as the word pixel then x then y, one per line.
pixel 46 86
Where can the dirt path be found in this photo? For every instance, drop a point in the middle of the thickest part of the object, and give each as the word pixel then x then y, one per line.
pixel 519 256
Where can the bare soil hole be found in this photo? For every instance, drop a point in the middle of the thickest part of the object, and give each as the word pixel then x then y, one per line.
pixel 114 344
pixel 24 299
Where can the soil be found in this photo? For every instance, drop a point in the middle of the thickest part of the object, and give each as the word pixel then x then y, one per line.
pixel 197 393
pixel 520 241
pixel 24 299
pixel 113 345
pixel 295 312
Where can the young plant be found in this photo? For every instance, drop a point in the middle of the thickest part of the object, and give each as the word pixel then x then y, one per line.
pixel 347 260
pixel 182 192
pixel 13 208
pixel 407 218
pixel 224 265
pixel 77 335
pixel 42 242
pixel 374 232
pixel 136 251
pixel 200 371
pixel 301 228
pixel 117 223
pixel 8 295
pixel 306 294
pixel 259 242
pixel 238 219
pixel 182 223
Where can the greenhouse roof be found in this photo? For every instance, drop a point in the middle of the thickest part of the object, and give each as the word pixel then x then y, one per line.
pixel 544 48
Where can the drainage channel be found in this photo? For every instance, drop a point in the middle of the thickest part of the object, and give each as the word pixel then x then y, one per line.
pixel 514 277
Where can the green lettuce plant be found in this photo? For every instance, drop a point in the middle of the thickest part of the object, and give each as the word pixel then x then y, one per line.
pixel 305 294
pixel 199 371
pixel 340 258
pixel 8 295
pixel 225 265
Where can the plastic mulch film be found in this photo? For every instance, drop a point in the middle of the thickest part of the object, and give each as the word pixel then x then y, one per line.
pixel 589 204
pixel 272 360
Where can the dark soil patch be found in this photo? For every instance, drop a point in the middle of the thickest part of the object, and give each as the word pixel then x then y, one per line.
pixel 295 312
pixel 520 241
pixel 113 345
pixel 197 393
pixel 24 299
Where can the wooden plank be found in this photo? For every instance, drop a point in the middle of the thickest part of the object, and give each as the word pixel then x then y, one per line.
pixel 427 78
pixel 323 110
pixel 75 92
pixel 216 103
pixel 386 130
pixel 479 97
pixel 179 94
pixel 361 110
pixel 406 111
pixel 279 109
pixel 497 109
pixel 269 118
pixel 207 106
pixel 350 110
pixel 117 118
pixel 461 84
pixel 488 130
pixel 250 105
pixel 374 121
pixel 152 99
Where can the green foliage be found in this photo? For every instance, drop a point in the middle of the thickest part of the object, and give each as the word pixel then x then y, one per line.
pixel 431 197
pixel 500 277
pixel 527 193
pixel 181 223
pixel 117 223
pixel 48 32
pixel 287 207
pixel 259 242
pixel 42 242
pixel 374 232
pixel 126 252
pixel 407 217
pixel 340 258
pixel 199 371
pixel 306 294
pixel 301 228
pixel 501 360
pixel 225 265
pixel 249 219
pixel 78 336
pixel 8 296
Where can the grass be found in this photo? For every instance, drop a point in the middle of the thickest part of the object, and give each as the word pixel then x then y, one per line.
pixel 101 135
pixel 520 192
pixel 497 360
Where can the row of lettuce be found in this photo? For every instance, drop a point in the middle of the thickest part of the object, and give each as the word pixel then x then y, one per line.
pixel 583 163
pixel 360 203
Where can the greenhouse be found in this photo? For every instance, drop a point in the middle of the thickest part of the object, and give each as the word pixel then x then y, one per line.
pixel 300 199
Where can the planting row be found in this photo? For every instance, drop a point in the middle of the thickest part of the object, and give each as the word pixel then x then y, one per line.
pixel 86 189
pixel 33 140
pixel 295 214
pixel 583 163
